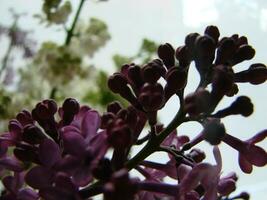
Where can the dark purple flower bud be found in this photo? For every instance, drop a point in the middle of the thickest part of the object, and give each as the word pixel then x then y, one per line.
pixel 150 74
pixel 70 108
pixel 182 54
pixel 15 130
pixel 244 195
pixel 158 64
pixel 213 32
pixel 134 74
pixel 24 117
pixel 166 53
pixel 225 51
pixel 234 90
pixel 106 119
pixel 26 153
pixel 222 81
pixel 44 110
pixel 244 52
pixel 114 107
pixel 190 43
pixel 197 155
pixel 43 113
pixel 32 134
pixel 204 54
pixel 213 132
pixel 197 102
pixel 205 46
pixel 242 105
pixel 120 186
pixel 151 97
pixel 176 80
pixel 242 40
pixel 256 74
pixel 117 83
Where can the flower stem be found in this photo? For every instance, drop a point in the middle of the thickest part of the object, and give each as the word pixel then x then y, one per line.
pixel 153 144
pixel 72 28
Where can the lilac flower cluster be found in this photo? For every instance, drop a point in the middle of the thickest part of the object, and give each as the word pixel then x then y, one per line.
pixel 65 156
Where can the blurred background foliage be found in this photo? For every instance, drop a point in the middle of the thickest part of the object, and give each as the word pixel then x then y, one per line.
pixel 54 70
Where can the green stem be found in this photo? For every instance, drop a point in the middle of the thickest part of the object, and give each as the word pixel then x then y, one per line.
pixel 6 58
pixel 71 30
pixel 70 34
pixel 153 144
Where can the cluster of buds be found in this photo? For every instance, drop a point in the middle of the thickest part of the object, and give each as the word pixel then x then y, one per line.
pixel 141 86
pixel 79 153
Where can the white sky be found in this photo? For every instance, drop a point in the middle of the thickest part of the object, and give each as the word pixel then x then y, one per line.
pixel 169 21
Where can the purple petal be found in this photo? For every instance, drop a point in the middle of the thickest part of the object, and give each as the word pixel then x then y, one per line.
pixel 218 158
pixel 71 128
pixel 11 163
pixel 3 149
pixel 226 186
pixel 39 177
pixel 90 124
pixel 79 117
pixel 68 164
pixel 13 183
pixel 27 194
pixel 211 193
pixel 99 144
pixel 64 182
pixel 183 171
pixel 15 129
pixel 258 137
pixel 49 152
pixel 256 155
pixel 82 176
pixel 245 166
pixel 200 173
pixel 73 143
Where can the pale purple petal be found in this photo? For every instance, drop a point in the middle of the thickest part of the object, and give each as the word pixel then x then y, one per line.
pixel 11 163
pixel 27 194
pixel 73 143
pixel 77 121
pixel 99 144
pixel 68 164
pixel 49 152
pixel 226 186
pixel 183 170
pixel 64 182
pixel 256 155
pixel 245 166
pixel 258 137
pixel 211 193
pixel 39 177
pixel 13 183
pixel 218 158
pixel 82 176
pixel 15 129
pixel 90 124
